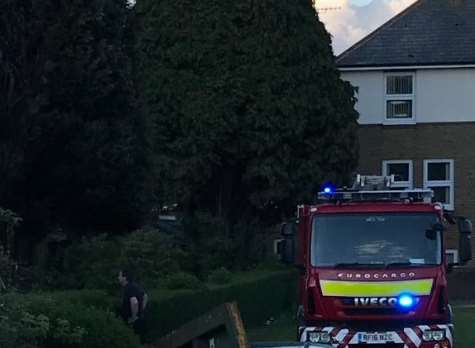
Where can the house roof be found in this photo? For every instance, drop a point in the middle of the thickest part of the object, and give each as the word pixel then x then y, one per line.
pixel 430 32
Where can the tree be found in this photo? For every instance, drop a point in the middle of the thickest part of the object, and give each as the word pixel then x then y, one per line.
pixel 249 110
pixel 72 134
pixel 250 114
pixel 8 222
pixel 16 97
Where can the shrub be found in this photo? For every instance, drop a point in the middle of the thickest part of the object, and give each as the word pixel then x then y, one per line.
pixel 183 280
pixel 211 247
pixel 92 264
pixel 8 269
pixel 99 299
pixel 8 222
pixel 220 276
pixel 271 264
pixel 103 329
pixel 20 326
pixel 56 321
pixel 150 255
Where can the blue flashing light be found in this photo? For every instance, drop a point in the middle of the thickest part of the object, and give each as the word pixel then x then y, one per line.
pixel 328 188
pixel 406 301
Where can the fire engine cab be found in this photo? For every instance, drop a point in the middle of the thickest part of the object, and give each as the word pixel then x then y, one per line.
pixel 372 267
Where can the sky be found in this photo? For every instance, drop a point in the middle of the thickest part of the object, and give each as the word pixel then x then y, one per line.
pixel 354 19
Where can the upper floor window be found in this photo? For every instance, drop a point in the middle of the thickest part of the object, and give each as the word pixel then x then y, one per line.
pixel 399 97
pixel 439 176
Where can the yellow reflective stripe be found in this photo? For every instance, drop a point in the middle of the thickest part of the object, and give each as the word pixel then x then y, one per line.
pixel 361 289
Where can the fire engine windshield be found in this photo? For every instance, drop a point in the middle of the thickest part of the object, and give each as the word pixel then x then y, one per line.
pixel 379 240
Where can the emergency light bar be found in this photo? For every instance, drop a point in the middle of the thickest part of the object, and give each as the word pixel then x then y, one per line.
pixel 375 188
pixel 416 195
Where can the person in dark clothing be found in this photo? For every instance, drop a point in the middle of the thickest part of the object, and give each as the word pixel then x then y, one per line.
pixel 134 301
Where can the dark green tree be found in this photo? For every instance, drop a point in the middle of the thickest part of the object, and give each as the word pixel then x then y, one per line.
pixel 250 114
pixel 72 144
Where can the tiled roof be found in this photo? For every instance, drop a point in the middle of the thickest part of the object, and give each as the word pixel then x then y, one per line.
pixel 430 32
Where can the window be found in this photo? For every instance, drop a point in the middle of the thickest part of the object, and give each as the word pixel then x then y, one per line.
pixel 402 171
pixel 439 176
pixel 375 239
pixel 399 97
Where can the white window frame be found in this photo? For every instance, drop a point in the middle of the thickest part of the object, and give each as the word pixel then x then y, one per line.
pixel 455 254
pixel 400 184
pixel 441 183
pixel 389 97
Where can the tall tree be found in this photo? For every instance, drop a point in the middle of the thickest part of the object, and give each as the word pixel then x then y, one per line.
pixel 71 141
pixel 248 107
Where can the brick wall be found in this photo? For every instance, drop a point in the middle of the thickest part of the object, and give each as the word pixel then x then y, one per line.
pixel 420 142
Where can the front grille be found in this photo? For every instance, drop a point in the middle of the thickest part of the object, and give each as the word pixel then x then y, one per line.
pixel 389 345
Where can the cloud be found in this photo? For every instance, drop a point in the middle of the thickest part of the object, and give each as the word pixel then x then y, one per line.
pixel 398 5
pixel 351 22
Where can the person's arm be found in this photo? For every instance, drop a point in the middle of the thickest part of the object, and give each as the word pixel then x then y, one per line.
pixel 134 309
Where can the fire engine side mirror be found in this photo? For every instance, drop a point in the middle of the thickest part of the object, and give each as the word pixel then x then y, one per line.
pixel 465 239
pixel 289 246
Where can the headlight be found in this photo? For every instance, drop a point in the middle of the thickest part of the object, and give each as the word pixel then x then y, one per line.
pixel 325 337
pixel 438 335
pixel 319 337
pixel 433 335
pixel 314 337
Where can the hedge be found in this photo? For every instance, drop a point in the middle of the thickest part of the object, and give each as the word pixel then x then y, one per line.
pixel 259 297
pixel 99 299
pixel 259 294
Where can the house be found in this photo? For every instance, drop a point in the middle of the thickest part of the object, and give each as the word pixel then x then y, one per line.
pixel 415 81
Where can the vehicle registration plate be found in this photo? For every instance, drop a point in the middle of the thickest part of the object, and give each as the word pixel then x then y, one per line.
pixel 376 337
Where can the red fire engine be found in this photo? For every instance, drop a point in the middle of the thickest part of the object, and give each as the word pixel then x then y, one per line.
pixel 373 268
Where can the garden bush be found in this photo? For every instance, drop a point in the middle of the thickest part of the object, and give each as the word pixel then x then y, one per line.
pixel 7 270
pixel 181 280
pixel 220 276
pixel 8 267
pixel 152 257
pixel 99 299
pixel 58 321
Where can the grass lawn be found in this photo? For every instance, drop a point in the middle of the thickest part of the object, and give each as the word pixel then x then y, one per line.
pixel 465 327
pixel 283 329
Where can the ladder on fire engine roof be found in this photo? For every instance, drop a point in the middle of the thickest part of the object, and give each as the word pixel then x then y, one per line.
pixel 375 188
